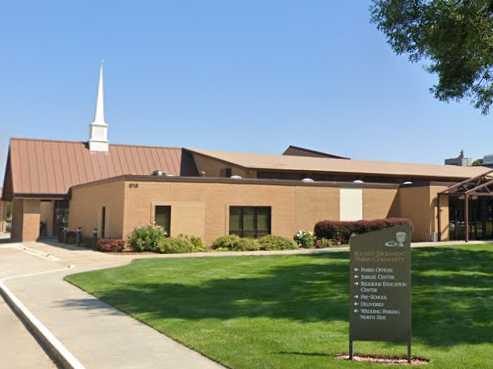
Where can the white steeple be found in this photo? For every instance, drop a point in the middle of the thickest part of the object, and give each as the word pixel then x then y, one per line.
pixel 98 129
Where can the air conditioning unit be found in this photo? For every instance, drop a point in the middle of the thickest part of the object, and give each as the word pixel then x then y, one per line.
pixel 159 173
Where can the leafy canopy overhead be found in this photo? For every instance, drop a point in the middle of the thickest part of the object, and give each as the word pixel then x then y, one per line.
pixel 454 36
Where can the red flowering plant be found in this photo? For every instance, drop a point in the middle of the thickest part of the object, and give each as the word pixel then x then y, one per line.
pixel 110 245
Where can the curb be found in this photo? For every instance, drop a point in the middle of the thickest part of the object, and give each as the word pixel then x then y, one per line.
pixel 54 348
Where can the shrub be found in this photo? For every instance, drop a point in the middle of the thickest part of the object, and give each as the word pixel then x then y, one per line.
pixel 226 242
pixel 107 245
pixel 342 231
pixel 235 243
pixel 305 239
pixel 271 242
pixel 180 244
pixel 196 242
pixel 324 243
pixel 248 244
pixel 146 238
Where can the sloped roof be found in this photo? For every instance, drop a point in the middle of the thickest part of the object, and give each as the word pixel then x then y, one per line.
pixel 51 167
pixel 303 151
pixel 313 164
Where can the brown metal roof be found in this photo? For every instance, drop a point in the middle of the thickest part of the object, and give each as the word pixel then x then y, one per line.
pixel 313 164
pixel 303 151
pixel 47 167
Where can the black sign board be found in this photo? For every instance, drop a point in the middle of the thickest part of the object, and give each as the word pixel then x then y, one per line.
pixel 380 286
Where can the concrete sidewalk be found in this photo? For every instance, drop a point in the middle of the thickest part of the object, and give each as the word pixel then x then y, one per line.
pixel 99 336
pixel 18 349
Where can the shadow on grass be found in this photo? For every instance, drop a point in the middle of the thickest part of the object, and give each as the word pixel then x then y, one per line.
pixel 452 294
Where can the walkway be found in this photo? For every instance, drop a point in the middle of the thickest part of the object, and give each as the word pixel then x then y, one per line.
pixel 99 336
pixel 19 350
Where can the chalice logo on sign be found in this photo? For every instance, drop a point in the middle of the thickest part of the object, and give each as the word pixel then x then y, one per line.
pixel 400 239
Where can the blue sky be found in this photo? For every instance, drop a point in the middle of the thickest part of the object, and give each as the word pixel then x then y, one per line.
pixel 225 75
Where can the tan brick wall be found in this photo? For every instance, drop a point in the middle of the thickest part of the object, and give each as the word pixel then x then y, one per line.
pixel 202 209
pixel 16 231
pixel 312 206
pixel 25 220
pixel 380 203
pixel 418 203
pixel 444 211
pixel 86 206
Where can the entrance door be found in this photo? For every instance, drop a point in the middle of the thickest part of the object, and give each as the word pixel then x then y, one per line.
pixel 60 215
pixel 480 218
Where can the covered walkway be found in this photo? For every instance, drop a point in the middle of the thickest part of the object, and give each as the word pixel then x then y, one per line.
pixel 470 207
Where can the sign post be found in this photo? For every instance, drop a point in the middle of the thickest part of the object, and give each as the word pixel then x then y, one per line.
pixel 380 287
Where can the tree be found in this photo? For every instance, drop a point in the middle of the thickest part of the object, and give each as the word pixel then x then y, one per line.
pixel 454 37
pixel 477 163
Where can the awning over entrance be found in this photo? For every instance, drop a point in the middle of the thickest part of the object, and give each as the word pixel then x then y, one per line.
pixel 474 187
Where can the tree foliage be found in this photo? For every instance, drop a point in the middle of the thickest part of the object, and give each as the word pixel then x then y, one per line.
pixel 454 37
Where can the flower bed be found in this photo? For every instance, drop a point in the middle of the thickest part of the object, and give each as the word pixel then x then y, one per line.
pixel 108 245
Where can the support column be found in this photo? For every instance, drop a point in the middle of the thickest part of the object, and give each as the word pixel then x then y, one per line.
pixel 25 220
pixel 439 221
pixel 466 217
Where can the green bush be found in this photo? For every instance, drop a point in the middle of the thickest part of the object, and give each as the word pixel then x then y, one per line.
pixel 235 243
pixel 197 243
pixel 305 239
pixel 180 244
pixel 324 242
pixel 248 244
pixel 146 238
pixel 271 242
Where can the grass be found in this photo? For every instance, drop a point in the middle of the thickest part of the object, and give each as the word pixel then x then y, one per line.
pixel 290 312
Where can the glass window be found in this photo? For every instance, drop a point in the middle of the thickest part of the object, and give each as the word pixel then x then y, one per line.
pixel 226 172
pixel 249 221
pixel 263 221
pixel 235 220
pixel 162 217
pixel 103 222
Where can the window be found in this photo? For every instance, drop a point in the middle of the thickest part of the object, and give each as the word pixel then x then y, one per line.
pixel 103 222
pixel 162 217
pixel 249 221
pixel 60 216
pixel 226 172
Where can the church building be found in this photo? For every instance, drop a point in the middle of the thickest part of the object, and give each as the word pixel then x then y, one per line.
pixel 111 189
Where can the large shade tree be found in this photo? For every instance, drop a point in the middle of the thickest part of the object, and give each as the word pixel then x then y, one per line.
pixel 453 37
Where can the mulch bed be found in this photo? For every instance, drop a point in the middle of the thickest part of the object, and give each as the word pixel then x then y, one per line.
pixel 391 360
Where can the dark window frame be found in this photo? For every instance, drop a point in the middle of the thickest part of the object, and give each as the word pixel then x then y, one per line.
pixel 226 172
pixel 103 222
pixel 166 227
pixel 256 233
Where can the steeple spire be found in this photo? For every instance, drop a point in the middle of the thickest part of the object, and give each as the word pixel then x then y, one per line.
pixel 99 116
pixel 98 129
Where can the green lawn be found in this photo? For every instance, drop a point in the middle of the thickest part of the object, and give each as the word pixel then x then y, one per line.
pixel 290 312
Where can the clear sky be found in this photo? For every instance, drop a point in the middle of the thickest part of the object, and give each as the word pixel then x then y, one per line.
pixel 225 75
